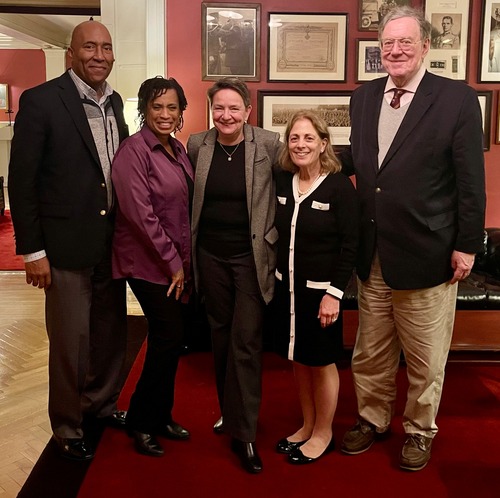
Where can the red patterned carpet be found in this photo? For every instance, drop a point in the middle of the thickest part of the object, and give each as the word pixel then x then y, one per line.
pixel 465 460
pixel 8 258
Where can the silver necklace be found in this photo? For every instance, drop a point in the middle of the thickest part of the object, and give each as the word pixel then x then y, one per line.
pixel 229 156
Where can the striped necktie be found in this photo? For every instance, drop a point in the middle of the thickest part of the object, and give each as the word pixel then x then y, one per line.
pixel 395 102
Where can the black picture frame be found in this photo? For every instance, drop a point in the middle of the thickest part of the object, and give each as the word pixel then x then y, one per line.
pixel 274 107
pixel 230 40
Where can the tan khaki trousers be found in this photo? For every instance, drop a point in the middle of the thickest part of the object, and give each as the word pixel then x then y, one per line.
pixel 420 322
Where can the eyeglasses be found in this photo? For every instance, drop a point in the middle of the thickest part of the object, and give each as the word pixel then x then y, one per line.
pixel 405 44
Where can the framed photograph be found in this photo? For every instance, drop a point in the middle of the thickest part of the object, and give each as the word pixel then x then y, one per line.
pixel 489 54
pixel 371 12
pixel 307 47
pixel 449 37
pixel 275 108
pixel 230 40
pixel 4 97
pixel 368 61
pixel 485 103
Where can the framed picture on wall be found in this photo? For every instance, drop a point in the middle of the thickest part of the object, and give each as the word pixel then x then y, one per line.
pixel 275 107
pixel 485 103
pixel 371 12
pixel 307 47
pixel 230 40
pixel 449 37
pixel 489 54
pixel 4 97
pixel 368 61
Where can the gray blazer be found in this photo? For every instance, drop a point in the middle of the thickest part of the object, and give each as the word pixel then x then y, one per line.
pixel 262 149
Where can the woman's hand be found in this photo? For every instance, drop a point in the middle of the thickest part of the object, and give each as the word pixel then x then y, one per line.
pixel 177 284
pixel 329 310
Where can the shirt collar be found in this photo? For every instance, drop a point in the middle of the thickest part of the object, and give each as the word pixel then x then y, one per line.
pixel 87 91
pixel 152 140
pixel 411 86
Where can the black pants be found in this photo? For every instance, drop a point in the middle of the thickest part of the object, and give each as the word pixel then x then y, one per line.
pixel 235 311
pixel 153 399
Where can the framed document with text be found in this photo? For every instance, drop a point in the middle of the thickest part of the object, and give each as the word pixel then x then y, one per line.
pixel 307 47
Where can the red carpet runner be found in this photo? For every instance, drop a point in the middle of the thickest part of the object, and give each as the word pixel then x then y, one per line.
pixel 465 459
pixel 8 258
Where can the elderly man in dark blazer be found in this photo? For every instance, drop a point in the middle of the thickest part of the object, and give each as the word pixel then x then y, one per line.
pixel 65 136
pixel 417 152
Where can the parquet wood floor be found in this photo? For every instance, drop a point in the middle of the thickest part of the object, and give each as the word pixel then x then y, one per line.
pixel 24 423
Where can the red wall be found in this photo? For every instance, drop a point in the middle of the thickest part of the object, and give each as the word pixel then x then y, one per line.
pixel 20 69
pixel 184 64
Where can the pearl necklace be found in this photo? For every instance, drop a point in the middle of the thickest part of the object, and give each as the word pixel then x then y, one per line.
pixel 229 155
pixel 310 186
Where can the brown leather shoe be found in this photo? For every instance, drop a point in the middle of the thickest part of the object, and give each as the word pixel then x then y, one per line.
pixel 416 452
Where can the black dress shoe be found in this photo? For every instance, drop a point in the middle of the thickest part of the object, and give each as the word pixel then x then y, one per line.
pixel 74 448
pixel 249 458
pixel 298 458
pixel 174 431
pixel 286 447
pixel 146 444
pixel 219 426
pixel 116 419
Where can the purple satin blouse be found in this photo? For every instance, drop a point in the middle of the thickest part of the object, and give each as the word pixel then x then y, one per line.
pixel 152 238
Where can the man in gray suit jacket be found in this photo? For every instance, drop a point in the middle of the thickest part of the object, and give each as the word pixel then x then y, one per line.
pixel 417 152
pixel 65 135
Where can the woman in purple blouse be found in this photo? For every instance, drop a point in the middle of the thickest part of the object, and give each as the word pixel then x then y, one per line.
pixel 153 181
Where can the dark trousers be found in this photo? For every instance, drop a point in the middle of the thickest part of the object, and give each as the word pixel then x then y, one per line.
pixel 86 319
pixel 235 311
pixel 152 402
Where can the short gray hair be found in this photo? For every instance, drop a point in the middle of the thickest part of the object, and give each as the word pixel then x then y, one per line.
pixel 406 11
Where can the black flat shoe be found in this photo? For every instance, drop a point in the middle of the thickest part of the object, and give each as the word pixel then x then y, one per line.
pixel 74 449
pixel 116 419
pixel 219 426
pixel 175 431
pixel 247 453
pixel 286 447
pixel 146 444
pixel 298 458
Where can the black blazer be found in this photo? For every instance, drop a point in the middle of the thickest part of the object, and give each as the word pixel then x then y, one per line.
pixel 57 191
pixel 428 197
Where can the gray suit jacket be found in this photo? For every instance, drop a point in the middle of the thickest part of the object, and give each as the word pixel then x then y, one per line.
pixel 262 149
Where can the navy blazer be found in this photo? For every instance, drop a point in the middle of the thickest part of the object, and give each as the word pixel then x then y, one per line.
pixel 57 190
pixel 428 196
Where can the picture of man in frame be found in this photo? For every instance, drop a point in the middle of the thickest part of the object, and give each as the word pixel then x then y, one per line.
pixel 446 38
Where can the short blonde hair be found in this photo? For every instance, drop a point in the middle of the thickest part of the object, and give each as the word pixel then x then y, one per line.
pixel 328 159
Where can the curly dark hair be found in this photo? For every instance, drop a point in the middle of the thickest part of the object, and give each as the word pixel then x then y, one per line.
pixel 152 88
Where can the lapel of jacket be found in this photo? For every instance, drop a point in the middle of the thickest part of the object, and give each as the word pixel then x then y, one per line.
pixel 420 104
pixel 250 149
pixel 71 100
pixel 202 167
pixel 117 105
pixel 371 121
